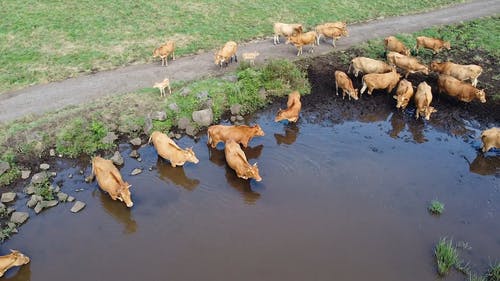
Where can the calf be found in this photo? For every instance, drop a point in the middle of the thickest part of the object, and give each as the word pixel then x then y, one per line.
pixel 376 81
pixel 432 43
pixel 236 159
pixel 368 65
pixel 169 150
pixel 423 99
pixel 462 91
pixel 302 39
pixel 293 109
pixel 330 31
pixel 162 85
pixel 409 64
pixel 241 134
pixel 403 94
pixel 15 258
pixel 226 54
pixel 345 83
pixel 164 51
pixel 286 30
pixel 110 180
pixel 461 72
pixel 391 43
pixel 490 139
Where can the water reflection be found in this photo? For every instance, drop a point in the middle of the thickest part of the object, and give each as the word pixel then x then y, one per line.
pixel 118 211
pixel 175 175
pixel 416 128
pixel 485 165
pixel 24 273
pixel 397 123
pixel 291 132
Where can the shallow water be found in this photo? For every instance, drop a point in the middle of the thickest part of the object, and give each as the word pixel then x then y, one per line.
pixel 339 200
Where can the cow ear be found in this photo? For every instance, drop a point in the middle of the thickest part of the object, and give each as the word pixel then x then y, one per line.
pixel 395 97
pixel 13 251
pixel 255 165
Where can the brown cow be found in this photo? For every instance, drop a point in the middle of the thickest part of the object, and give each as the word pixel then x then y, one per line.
pixel 345 83
pixel 462 91
pixel 403 94
pixel 301 39
pixel 330 31
pixel 293 108
pixel 241 134
pixel 391 43
pixel 162 85
pixel 409 64
pixel 169 150
pixel 236 159
pixel 423 99
pixel 286 30
pixel 376 81
pixel 164 51
pixel 15 258
pixel 368 65
pixel 461 72
pixel 490 139
pixel 226 54
pixel 110 180
pixel 432 43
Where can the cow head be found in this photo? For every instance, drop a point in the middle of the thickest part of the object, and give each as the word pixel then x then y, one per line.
pixel 434 66
pixel 124 194
pixel 428 110
pixel 481 95
pixel 280 115
pixel 190 156
pixel 446 45
pixel 258 130
pixel 19 258
pixel 354 94
pixel 402 101
pixel 219 60
pixel 425 70
pixel 253 172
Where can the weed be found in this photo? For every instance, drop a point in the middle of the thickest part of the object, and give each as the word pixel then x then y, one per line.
pixel 436 207
pixel 45 190
pixel 493 273
pixel 474 277
pixel 10 176
pixel 6 232
pixel 446 255
pixel 81 136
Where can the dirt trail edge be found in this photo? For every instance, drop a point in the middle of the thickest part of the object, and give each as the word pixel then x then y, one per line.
pixel 53 96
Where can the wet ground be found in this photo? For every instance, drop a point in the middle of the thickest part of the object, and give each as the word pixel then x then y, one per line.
pixel 344 196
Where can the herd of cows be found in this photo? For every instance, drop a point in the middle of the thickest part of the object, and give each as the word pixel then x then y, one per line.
pixel 378 75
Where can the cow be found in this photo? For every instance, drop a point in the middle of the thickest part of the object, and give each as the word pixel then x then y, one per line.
pixel 226 54
pixel 433 44
pixel 164 51
pixel 301 39
pixel 391 43
pixel 293 109
pixel 461 72
pixel 461 90
pixel 345 83
pixel 403 94
pixel 376 81
pixel 490 139
pixel 286 30
pixel 110 180
pixel 15 258
pixel 240 133
pixel 236 159
pixel 162 85
pixel 330 31
pixel 368 65
pixel 169 150
pixel 423 99
pixel 407 63
pixel 391 57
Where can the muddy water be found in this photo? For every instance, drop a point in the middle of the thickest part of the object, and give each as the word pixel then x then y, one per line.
pixel 343 197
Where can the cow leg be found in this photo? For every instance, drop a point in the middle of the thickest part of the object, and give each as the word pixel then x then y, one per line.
pixel 173 55
pixel 336 88
pixel 169 89
pixel 235 58
pixel 363 88
pixel 474 82
pixel 333 42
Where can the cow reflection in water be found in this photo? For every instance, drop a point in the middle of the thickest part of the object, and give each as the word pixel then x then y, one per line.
pixel 398 124
pixel 243 186
pixel 485 165
pixel 175 175
pixel 291 132
pixel 24 273
pixel 116 210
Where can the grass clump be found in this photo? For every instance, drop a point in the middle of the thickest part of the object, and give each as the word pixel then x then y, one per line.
pixel 436 207
pixel 446 256
pixel 45 190
pixel 10 176
pixel 6 231
pixel 493 273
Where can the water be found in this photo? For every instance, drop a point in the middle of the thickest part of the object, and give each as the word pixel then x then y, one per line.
pixel 339 200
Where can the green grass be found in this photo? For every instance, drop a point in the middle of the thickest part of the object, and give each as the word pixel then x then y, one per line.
pixel 436 207
pixel 45 190
pixel 446 256
pixel 5 232
pixel 493 273
pixel 44 41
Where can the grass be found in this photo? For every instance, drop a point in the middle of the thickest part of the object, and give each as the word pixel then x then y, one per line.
pixel 46 41
pixel 493 273
pixel 446 256
pixel 45 190
pixel 5 232
pixel 436 207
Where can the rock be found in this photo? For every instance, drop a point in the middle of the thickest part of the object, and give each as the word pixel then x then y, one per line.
pixel 10 210
pixel 77 207
pixel 70 176
pixel 178 136
pixel 44 167
pixel 191 130
pixel 81 172
pixel 148 125
pixel 52 152
pixel 240 118
pixel 208 104
pixel 159 115
pixel 136 141
pixel 233 118
pixel 51 203
pixel 136 171
pixel 62 197
pixel 262 93
pixel 11 225
pixel 32 202
pixel 19 217
pixel 109 138
pixel 89 178
pixel 171 134
pixel 25 174
pixel 4 167
pixel 71 199
pixel 185 92
pixel 2 207
pixel 8 197
pixel 56 189
pixel 235 109
pixel 30 189
pixel 183 123
pixel 139 159
pixel 134 154
pixel 39 177
pixel 230 78
pixel 174 107
pixel 203 117
pixel 38 207
pixel 117 158
pixel 202 95
pixel 53 174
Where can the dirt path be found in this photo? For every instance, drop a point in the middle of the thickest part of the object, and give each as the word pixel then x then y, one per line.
pixel 42 98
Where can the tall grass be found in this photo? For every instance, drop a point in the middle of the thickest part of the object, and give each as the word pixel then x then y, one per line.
pixel 446 256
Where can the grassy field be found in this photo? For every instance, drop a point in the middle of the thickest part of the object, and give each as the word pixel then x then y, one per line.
pixel 42 41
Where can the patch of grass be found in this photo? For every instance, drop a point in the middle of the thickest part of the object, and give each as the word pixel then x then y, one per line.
pixel 436 207
pixel 493 273
pixel 6 231
pixel 474 277
pixel 45 190
pixel 446 255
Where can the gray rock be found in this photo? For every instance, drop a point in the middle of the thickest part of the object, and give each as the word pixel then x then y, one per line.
pixel 38 207
pixel 178 136
pixel 39 177
pixel 174 107
pixel 53 174
pixel 62 197
pixel 70 176
pixel 185 92
pixel 235 109
pixel 11 224
pixel 77 207
pixel 139 159
pixel 183 123
pixel 8 197
pixel 52 152
pixel 240 118
pixel 117 158
pixel 136 141
pixel 202 95
pixel 30 189
pixel 89 178
pixel 19 217
pixel 71 199
pixel 230 78
pixel 203 117
pixel 4 167
pixel 159 115
pixel 32 202
pixel 208 104
pixel 57 189
pixel 136 171
pixel 233 118
pixel 262 93
pixel 148 125
pixel 171 135
pixel 238 123
pixel 25 174
pixel 191 130
pixel 44 166
pixel 109 138
pixel 51 203
pixel 134 154
pixel 10 210
pixel 2 207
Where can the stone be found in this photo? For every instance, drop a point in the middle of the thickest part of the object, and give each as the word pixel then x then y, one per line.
pixel 25 174
pixel 240 118
pixel 148 125
pixel 233 118
pixel 109 138
pixel 19 217
pixel 159 115
pixel 53 174
pixel 178 136
pixel 136 141
pixel 50 203
pixel 174 107
pixel 71 199
pixel 134 154
pixel 139 159
pixel 52 152
pixel 56 189
pixel 30 189
pixel 32 202
pixel 136 171
pixel 4 167
pixel 235 109
pixel 117 158
pixel 39 177
pixel 202 95
pixel 44 166
pixel 183 122
pixel 10 210
pixel 203 117
pixel 62 197
pixel 8 197
pixel 89 178
pixel 70 176
pixel 171 135
pixel 77 207
pixel 185 92
pixel 11 225
pixel 38 207
pixel 262 93
pixel 191 130
pixel 230 78
pixel 208 104
pixel 2 207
